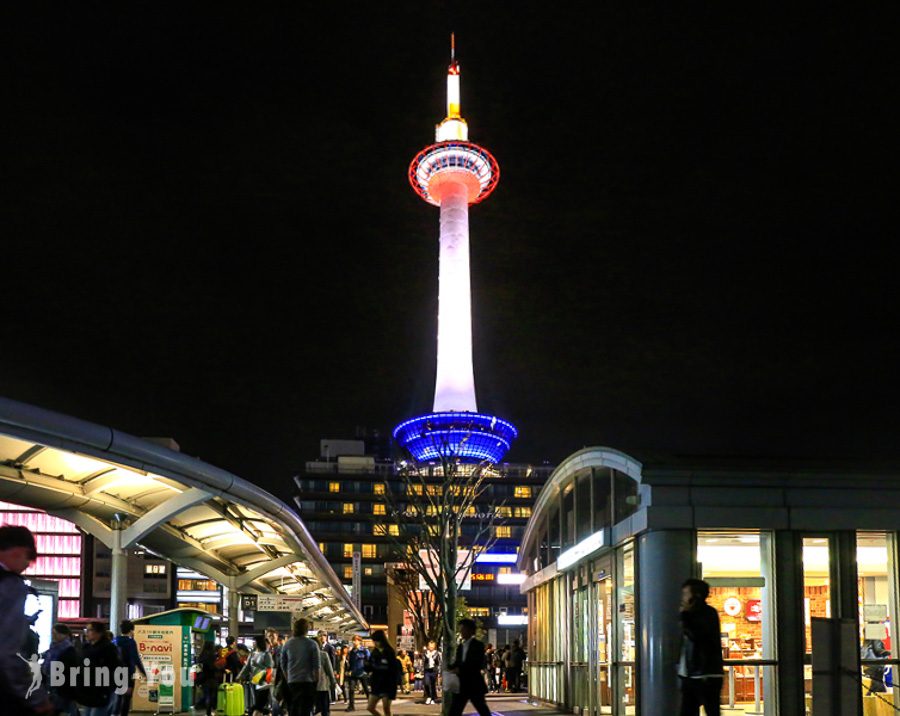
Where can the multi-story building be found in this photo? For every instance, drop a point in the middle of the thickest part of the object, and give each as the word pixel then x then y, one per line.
pixel 345 500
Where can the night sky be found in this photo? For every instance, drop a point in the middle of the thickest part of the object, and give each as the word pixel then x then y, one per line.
pixel 207 230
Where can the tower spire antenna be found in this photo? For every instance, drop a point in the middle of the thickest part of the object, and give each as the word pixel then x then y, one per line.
pixel 452 47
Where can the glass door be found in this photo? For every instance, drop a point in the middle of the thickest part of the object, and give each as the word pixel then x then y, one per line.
pixel 818 599
pixel 603 595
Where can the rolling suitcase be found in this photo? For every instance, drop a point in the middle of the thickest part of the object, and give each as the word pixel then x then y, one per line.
pixel 230 701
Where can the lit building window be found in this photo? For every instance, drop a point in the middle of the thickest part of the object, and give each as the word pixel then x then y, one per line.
pixel 378 509
pixel 470 511
pixel 154 569
pixel 348 550
pixel 522 491
pixel 348 508
pixel 522 512
pixel 378 488
pixel 379 529
pixel 394 530
pixel 348 572
pixel 433 489
pixel 334 487
pixel 369 551
pixel 504 570
pixel 322 547
pixel 504 511
pixel 431 510
pixel 414 490
pixel 368 571
pixel 503 531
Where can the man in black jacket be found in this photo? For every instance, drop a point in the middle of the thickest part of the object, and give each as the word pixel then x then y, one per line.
pixel 700 666
pixel 468 666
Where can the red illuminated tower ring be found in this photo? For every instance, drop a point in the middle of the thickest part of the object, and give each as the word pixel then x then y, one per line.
pixel 454 161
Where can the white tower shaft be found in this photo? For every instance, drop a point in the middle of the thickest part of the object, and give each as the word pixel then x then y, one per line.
pixel 455 384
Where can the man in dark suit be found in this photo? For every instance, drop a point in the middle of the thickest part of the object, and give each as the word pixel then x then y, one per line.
pixel 468 666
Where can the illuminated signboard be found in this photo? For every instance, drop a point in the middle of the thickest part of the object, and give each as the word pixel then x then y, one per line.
pixel 497 558
pixel 483 577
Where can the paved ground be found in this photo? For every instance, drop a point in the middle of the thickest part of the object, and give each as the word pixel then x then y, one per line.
pixel 501 705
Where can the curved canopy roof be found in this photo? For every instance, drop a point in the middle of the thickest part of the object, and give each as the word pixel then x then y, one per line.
pixel 176 506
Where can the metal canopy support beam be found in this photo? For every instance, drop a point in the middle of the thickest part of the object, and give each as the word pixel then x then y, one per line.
pixel 152 519
pixel 91 525
pixel 262 570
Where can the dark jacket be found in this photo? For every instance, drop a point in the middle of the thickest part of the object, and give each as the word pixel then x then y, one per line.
pixel 63 652
pixel 470 679
pixel 15 674
pixel 207 676
pixel 385 671
pixel 357 660
pixel 701 648
pixel 102 653
pixel 130 655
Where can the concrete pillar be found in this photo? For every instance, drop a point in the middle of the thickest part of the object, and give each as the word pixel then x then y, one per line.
pixel 118 583
pixel 233 605
pixel 665 558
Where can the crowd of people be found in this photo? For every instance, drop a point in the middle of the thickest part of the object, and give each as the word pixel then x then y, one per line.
pixel 281 676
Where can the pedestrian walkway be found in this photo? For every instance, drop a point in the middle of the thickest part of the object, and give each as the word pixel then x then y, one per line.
pixel 500 705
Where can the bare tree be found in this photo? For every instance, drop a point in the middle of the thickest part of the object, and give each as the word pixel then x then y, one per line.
pixel 436 500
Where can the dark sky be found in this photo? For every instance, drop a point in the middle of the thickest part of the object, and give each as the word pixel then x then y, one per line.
pixel 207 231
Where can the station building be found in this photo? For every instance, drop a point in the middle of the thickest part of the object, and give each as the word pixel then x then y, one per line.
pixel 612 538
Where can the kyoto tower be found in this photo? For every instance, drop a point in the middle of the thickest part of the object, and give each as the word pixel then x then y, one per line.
pixel 453 173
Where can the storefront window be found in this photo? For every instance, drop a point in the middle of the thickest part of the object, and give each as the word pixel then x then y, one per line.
pixel 877 589
pixel 738 567
pixel 626 682
pixel 816 584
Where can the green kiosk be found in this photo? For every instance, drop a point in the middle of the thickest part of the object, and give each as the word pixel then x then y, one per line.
pixel 168 642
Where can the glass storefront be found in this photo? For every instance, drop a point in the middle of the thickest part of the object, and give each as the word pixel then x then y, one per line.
pixel 611 546
pixel 738 567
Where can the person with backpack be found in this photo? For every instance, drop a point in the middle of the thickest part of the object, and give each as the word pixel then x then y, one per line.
pixel 128 651
pixel 20 692
pixel 103 657
pixel 385 671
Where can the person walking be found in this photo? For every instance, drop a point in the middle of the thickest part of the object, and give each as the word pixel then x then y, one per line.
pixel 405 669
pixel 256 672
pixel 357 659
pixel 431 661
pixel 102 655
pixel 207 677
pixel 700 668
pixel 61 651
pixel 515 659
pixel 384 667
pixel 274 645
pixel 327 681
pixel 468 665
pixel 300 662
pixel 20 690
pixel 131 657
pixel 341 674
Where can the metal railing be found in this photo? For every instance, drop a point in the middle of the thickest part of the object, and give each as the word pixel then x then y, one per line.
pixel 757 665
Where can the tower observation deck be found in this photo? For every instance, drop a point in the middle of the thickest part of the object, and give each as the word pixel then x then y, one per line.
pixel 453 173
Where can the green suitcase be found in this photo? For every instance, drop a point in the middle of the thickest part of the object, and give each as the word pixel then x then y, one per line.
pixel 230 700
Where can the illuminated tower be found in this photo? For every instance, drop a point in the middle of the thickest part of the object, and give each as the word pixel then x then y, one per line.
pixel 453 173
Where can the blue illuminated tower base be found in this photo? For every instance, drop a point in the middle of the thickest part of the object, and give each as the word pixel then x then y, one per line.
pixel 466 437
